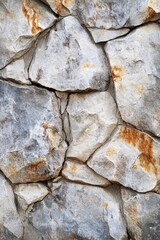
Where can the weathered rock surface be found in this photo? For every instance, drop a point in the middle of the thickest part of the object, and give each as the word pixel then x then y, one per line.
pixel 136 74
pixel 79 172
pixel 103 35
pixel 30 193
pixel 73 62
pixel 113 14
pixel 20 22
pixel 11 227
pixel 142 213
pixel 131 158
pixel 31 145
pixel 77 211
pixel 93 117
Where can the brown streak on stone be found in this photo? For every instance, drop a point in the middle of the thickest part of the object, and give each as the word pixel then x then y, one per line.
pixel 132 210
pixel 151 14
pixel 35 166
pixel 59 7
pixel 73 168
pixel 117 72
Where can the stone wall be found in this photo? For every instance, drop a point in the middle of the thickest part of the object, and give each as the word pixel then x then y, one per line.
pixel 79 120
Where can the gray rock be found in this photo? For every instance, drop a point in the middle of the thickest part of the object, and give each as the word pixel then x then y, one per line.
pixel 81 173
pixel 77 211
pixel 67 60
pixel 11 227
pixel 31 144
pixel 92 117
pixel 136 74
pixel 142 213
pixel 113 14
pixel 20 22
pixel 103 35
pixel 131 158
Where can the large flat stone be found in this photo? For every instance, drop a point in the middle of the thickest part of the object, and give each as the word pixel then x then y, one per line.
pixel 92 117
pixel 75 211
pixel 31 144
pixel 20 22
pixel 131 158
pixel 135 62
pixel 67 60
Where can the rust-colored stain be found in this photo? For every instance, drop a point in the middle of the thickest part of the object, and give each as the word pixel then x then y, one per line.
pixel 32 16
pixel 52 135
pixel 73 168
pixel 151 14
pixel 36 166
pixel 143 143
pixel 104 205
pixel 132 210
pixel 59 7
pixel 117 72
pixel 111 151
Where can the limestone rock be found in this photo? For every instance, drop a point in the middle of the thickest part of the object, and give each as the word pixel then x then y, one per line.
pixel 67 60
pixel 131 158
pixel 77 211
pixel 11 227
pixel 20 22
pixel 103 35
pixel 93 117
pixel 78 172
pixel 113 14
pixel 136 74
pixel 31 145
pixel 61 7
pixel 30 193
pixel 142 213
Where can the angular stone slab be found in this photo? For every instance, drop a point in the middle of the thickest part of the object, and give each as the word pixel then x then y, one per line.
pixel 142 213
pixel 92 117
pixel 67 60
pixel 31 144
pixel 11 227
pixel 20 22
pixel 113 14
pixel 103 35
pixel 131 158
pixel 77 211
pixel 81 173
pixel 136 73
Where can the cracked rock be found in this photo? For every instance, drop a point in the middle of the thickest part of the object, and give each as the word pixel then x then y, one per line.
pixel 11 227
pixel 92 117
pixel 31 144
pixel 67 60
pixel 142 213
pixel 136 75
pixel 78 172
pixel 20 22
pixel 75 211
pixel 131 158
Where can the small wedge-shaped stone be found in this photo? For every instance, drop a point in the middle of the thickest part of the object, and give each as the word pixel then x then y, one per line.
pixel 131 158
pixel 11 227
pixel 142 213
pixel 77 211
pixel 61 7
pixel 135 62
pixel 93 117
pixel 20 22
pixel 31 145
pixel 30 193
pixel 67 59
pixel 79 172
pixel 113 14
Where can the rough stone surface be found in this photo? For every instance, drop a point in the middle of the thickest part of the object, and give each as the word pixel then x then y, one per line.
pixel 77 212
pixel 11 227
pixel 20 22
pixel 31 146
pixel 93 117
pixel 131 158
pixel 136 75
pixel 103 35
pixel 72 63
pixel 113 14
pixel 142 212
pixel 81 173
